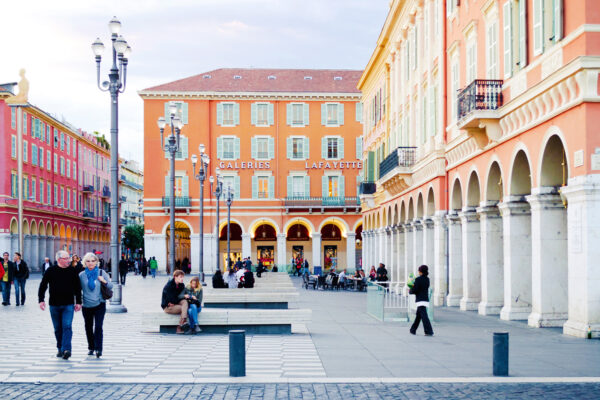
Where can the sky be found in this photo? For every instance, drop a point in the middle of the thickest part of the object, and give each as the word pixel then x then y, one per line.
pixel 170 40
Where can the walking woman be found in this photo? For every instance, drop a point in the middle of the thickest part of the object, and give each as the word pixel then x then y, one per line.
pixel 94 306
pixel 421 290
pixel 193 294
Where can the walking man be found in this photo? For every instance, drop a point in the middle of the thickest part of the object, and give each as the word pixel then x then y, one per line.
pixel 153 266
pixel 21 276
pixel 123 269
pixel 7 279
pixel 421 291
pixel 45 265
pixel 65 289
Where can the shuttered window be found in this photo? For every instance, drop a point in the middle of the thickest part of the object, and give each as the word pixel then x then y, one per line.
pixel 492 50
pixel 332 114
pixel 182 111
pixel 507 39
pixel 262 114
pixel 332 148
pixel 228 114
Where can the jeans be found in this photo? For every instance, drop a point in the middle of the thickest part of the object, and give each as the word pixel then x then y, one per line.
pixel 5 292
pixel 94 318
pixel 62 319
pixel 123 277
pixel 153 272
pixel 20 288
pixel 422 315
pixel 193 312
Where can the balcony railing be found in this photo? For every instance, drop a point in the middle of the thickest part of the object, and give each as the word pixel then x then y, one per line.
pixel 180 202
pixel 105 191
pixel 105 219
pixel 481 94
pixel 131 183
pixel 88 189
pixel 367 187
pixel 321 202
pixel 122 221
pixel 400 157
pixel 88 214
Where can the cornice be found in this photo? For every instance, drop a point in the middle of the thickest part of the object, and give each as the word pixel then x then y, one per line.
pixel 146 94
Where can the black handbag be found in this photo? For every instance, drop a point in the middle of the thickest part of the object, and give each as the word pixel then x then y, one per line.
pixel 105 291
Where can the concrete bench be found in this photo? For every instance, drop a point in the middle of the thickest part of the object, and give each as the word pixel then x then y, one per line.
pixel 247 298
pixel 219 320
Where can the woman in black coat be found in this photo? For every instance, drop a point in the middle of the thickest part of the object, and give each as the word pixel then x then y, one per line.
pixel 217 280
pixel 421 290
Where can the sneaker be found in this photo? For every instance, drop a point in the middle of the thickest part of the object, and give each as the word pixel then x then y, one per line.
pixel 59 354
pixel 429 334
pixel 90 352
pixel 413 333
pixel 98 354
pixel 197 329
pixel 66 354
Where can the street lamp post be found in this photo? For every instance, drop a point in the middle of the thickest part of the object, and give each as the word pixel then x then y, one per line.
pixel 171 147
pixel 228 201
pixel 218 189
pixel 202 171
pixel 116 83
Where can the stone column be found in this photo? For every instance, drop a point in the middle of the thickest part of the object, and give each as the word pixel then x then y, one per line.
pixel 516 229
pixel 440 282
pixel 381 247
pixel 408 252
pixel 210 262
pixel 281 250
pixel 50 249
pixel 455 285
pixel 417 251
pixel 400 266
pixel 35 262
pixel 389 247
pixel 365 249
pixel 351 251
pixel 492 263
pixel 428 251
pixel 394 255
pixel 246 245
pixel 316 250
pixel 14 244
pixel 156 246
pixel 27 247
pixel 549 255
pixel 195 252
pixel 471 259
pixel 583 195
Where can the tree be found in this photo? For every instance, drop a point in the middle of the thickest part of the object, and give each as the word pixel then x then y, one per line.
pixel 133 237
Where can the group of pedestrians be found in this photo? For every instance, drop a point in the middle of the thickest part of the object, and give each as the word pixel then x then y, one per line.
pixel 15 272
pixel 75 288
pixel 234 278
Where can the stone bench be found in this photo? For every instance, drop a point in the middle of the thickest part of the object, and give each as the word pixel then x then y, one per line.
pixel 247 298
pixel 219 320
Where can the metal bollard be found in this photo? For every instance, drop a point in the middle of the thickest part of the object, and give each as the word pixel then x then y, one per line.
pixel 500 363
pixel 237 353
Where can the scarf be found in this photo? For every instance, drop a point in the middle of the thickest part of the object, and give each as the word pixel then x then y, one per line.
pixel 92 275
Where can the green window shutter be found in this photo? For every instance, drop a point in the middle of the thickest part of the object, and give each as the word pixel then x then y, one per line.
pixel 288 114
pixel 253 148
pixel 340 108
pixel 184 148
pixel 236 113
pixel 359 111
pixel 236 150
pixel 371 166
pixel 184 113
pixel 236 187
pixel 341 148
pixel 255 187
pixel 271 114
pixel 271 187
pixel 271 148
pixel 558 20
pixel 167 115
pixel 219 113
pixel 306 148
pixel 306 114
pixel 219 147
pixel 359 148
pixel 522 34
pixel 288 146
pixel 307 186
pixel 186 186
pixel 167 186
pixel 538 27
pixel 290 187
pixel 507 38
pixel 323 147
pixel 253 113
pixel 323 114
pixel 324 187
pixel 341 180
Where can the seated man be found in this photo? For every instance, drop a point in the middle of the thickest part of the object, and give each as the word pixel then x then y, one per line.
pixel 173 301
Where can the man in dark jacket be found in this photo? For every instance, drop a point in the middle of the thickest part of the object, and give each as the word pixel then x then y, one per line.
pixel 21 276
pixel 248 264
pixel 45 265
pixel 248 279
pixel 238 264
pixel 123 269
pixel 7 279
pixel 173 301
pixel 421 291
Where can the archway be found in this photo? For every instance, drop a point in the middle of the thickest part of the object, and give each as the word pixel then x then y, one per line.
pixel 430 203
pixel 471 247
pixel 334 246
pixel 235 244
pixel 420 206
pixel 455 248
pixel 182 245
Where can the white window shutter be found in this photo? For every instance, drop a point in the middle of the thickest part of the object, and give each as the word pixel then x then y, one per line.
pixel 324 187
pixel 184 148
pixel 236 186
pixel 288 114
pixel 323 114
pixel 522 34
pixel 340 108
pixel 253 148
pixel 307 186
pixel 167 186
pixel 341 148
pixel 290 187
pixel 271 148
pixel 359 145
pixel 558 20
pixel 538 27
pixel 341 180
pixel 306 114
pixel 254 187
pixel 507 38
pixel 271 114
pixel 271 187
pixel 219 113
pixel 323 147
pixel 167 114
pixel 186 186
pixel 236 150
pixel 184 113
pixel 289 148
pixel 236 113
pixel 219 148
pixel 306 148
pixel 359 108
pixel 253 113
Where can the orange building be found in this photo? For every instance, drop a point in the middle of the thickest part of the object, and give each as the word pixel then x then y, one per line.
pixel 289 144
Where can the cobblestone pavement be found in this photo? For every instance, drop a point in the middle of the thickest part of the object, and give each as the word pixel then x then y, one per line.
pixel 301 391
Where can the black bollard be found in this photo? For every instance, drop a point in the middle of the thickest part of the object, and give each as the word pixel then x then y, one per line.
pixel 500 362
pixel 237 353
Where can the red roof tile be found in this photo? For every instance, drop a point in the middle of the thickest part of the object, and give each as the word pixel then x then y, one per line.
pixel 266 80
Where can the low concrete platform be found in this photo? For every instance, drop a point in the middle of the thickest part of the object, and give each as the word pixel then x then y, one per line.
pixel 248 298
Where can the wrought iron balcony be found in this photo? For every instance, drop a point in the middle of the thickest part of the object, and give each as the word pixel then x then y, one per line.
pixel 310 203
pixel 88 189
pixel 477 105
pixel 105 191
pixel 367 187
pixel 180 202
pixel 400 157
pixel 88 214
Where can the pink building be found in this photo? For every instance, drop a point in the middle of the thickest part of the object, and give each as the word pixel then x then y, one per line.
pixel 64 174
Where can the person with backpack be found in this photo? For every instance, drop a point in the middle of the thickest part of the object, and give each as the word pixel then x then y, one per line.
pixel 153 266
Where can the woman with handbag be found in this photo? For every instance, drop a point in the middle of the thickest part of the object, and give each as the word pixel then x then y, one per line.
pixel 193 294
pixel 94 301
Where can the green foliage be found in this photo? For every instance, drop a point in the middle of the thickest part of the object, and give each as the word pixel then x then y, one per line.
pixel 134 237
pixel 102 140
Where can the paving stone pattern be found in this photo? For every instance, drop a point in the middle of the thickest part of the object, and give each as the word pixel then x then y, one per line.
pixel 301 391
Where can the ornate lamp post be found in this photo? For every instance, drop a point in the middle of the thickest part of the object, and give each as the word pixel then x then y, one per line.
pixel 202 171
pixel 228 201
pixel 218 189
pixel 171 147
pixel 116 84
